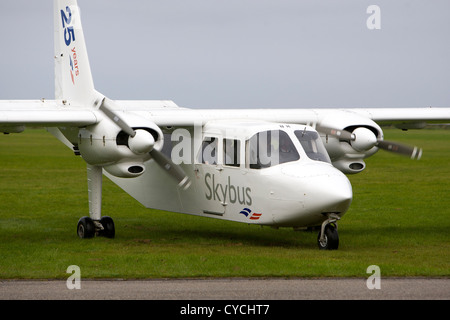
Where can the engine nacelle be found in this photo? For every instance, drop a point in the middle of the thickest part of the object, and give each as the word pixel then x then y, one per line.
pixel 105 144
pixel 348 155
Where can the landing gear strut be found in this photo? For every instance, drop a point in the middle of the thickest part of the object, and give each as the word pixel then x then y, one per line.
pixel 95 224
pixel 328 238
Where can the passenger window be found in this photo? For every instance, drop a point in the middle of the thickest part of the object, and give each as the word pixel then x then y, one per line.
pixel 231 152
pixel 270 148
pixel 209 151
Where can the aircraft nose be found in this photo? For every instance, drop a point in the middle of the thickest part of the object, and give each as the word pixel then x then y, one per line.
pixel 325 189
pixel 333 193
pixel 329 191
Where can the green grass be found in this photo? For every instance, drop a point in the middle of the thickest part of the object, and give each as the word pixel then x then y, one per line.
pixel 399 220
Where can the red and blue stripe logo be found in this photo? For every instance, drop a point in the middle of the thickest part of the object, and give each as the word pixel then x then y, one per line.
pixel 248 213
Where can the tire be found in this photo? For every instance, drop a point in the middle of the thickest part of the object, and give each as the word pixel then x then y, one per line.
pixel 109 230
pixel 331 238
pixel 86 228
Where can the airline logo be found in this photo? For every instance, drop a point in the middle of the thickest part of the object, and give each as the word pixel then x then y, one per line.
pixel 228 192
pixel 248 213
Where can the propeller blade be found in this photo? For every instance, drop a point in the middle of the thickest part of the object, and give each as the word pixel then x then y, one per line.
pixel 341 134
pixel 105 107
pixel 412 152
pixel 174 170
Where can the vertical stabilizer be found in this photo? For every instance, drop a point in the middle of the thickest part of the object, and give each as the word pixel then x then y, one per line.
pixel 73 79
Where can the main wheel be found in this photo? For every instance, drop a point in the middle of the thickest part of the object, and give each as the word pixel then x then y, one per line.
pixel 85 228
pixel 331 238
pixel 109 230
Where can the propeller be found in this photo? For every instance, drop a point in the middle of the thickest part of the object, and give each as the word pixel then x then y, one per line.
pixel 413 152
pixel 141 141
pixel 363 139
pixel 341 134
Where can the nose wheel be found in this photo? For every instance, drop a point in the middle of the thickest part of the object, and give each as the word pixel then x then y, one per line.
pixel 328 238
pixel 88 228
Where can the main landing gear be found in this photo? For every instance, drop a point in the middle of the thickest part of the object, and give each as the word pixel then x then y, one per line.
pixel 95 224
pixel 328 238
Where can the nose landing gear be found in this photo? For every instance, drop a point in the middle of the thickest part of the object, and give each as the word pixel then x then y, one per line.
pixel 88 228
pixel 328 238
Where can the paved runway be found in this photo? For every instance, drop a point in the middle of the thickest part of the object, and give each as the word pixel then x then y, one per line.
pixel 228 289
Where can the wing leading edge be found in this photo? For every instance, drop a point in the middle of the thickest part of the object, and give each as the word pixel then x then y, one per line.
pixel 47 113
pixel 50 113
pixel 166 113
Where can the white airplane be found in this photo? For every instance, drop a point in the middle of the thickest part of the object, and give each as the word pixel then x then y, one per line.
pixel 277 167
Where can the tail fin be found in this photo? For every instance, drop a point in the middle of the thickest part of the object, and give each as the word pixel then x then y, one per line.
pixel 73 79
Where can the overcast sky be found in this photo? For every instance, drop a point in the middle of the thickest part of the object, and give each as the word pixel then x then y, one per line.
pixel 240 53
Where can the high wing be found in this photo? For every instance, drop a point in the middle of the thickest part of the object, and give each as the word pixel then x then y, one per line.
pixel 50 113
pixel 167 113
pixel 406 118
pixel 16 114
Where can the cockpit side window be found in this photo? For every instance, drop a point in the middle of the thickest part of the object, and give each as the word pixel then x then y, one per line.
pixel 270 148
pixel 313 145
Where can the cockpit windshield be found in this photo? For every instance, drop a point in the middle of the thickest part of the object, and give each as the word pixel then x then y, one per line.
pixel 270 148
pixel 313 145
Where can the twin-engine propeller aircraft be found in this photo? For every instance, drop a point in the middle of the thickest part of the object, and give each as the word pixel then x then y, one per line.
pixel 279 167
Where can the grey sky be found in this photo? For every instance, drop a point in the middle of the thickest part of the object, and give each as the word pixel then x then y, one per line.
pixel 240 53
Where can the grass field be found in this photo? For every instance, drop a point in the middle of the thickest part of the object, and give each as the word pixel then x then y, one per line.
pixel 399 220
